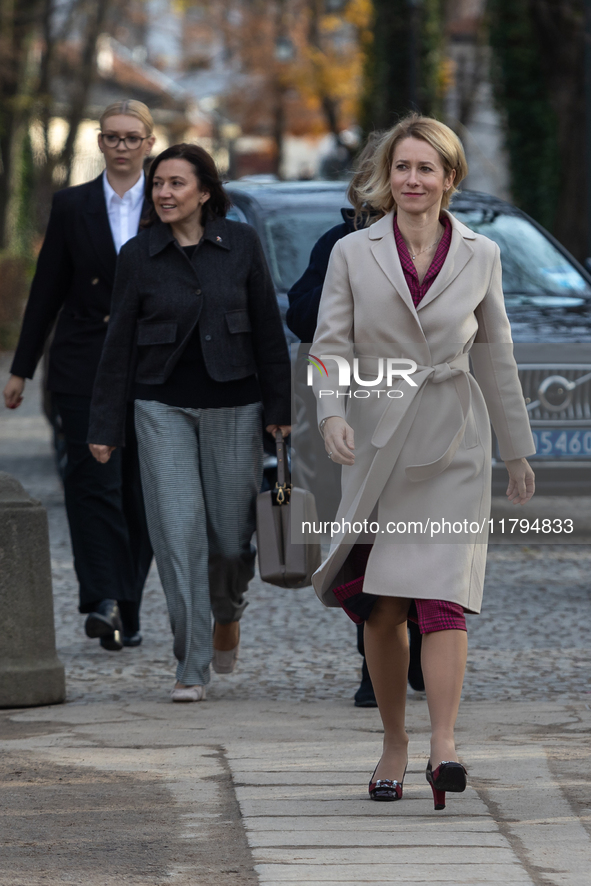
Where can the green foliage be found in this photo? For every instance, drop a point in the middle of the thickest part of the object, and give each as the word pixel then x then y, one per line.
pixel 17 262
pixel 24 228
pixel 522 94
pixel 16 273
pixel 432 57
pixel 387 69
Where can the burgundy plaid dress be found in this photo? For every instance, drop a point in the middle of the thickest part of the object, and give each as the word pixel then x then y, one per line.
pixel 430 615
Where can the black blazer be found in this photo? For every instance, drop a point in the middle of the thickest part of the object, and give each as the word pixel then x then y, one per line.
pixel 159 297
pixel 75 274
pixel 304 295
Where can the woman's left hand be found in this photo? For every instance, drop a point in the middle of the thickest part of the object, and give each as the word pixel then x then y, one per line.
pixel 285 430
pixel 522 481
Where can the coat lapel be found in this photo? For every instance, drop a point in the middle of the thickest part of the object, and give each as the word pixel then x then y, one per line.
pixel 460 253
pixel 99 229
pixel 383 247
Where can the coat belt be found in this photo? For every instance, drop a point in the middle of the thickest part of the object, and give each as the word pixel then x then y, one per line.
pixel 391 419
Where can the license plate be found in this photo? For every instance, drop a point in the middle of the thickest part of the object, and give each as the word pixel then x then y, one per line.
pixel 557 444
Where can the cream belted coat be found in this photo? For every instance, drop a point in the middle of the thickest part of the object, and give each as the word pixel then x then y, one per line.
pixel 423 457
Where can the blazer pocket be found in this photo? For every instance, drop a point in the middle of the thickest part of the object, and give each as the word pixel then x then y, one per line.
pixel 150 333
pixel 238 321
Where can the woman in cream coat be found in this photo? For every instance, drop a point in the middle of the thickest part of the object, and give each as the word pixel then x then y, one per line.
pixel 419 287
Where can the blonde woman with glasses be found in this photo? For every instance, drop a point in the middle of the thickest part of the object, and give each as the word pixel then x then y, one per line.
pixel 416 286
pixel 73 284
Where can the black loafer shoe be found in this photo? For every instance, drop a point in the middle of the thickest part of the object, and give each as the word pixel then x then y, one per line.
pixel 113 642
pixel 365 697
pixel 104 620
pixel 132 639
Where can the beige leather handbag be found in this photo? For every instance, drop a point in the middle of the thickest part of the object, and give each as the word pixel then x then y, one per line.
pixel 283 562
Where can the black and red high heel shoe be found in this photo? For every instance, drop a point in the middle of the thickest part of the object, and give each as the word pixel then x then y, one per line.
pixel 448 776
pixel 385 789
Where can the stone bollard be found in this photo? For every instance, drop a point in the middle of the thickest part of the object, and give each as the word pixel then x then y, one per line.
pixel 30 671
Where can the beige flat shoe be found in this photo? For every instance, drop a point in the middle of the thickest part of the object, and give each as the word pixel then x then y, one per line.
pixel 190 693
pixel 224 662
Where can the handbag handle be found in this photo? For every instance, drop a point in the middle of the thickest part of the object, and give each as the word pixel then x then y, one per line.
pixel 283 485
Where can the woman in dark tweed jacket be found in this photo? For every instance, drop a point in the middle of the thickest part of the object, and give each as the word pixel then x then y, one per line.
pixel 196 335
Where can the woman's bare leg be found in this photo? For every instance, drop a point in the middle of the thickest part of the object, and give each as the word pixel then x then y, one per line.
pixel 386 652
pixel 443 659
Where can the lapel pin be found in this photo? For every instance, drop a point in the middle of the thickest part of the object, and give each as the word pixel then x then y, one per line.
pixel 219 239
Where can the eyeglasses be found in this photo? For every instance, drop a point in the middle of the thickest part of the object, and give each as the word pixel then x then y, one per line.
pixel 131 142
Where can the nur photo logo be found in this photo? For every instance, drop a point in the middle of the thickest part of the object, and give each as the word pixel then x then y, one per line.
pixel 315 362
pixel 388 368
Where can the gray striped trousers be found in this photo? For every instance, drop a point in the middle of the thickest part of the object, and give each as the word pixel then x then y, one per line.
pixel 201 471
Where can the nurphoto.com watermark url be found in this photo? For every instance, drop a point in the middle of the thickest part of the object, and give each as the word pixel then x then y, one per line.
pixel 434 528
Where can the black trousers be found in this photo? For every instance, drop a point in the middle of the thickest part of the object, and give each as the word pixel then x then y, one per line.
pixel 415 649
pixel 105 508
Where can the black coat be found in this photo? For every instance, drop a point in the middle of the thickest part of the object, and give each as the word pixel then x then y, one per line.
pixel 75 275
pixel 159 297
pixel 304 296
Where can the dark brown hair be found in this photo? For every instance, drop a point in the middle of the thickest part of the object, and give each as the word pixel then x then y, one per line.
pixel 207 175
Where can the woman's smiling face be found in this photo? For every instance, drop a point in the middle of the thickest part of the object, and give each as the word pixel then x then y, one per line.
pixel 417 177
pixel 176 192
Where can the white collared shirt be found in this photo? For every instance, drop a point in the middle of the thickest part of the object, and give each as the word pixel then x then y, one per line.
pixel 124 212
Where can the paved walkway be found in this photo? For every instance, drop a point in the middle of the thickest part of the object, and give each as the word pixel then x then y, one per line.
pixel 266 782
pixel 240 792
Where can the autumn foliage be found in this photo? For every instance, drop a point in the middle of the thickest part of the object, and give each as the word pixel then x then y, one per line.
pixel 299 59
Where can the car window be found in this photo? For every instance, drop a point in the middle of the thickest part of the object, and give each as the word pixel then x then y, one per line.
pixel 290 238
pixel 534 271
pixel 235 214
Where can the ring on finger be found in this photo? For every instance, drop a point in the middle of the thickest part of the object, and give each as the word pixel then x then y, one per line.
pixel 330 455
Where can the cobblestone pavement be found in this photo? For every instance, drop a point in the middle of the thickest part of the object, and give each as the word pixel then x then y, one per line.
pixel 531 641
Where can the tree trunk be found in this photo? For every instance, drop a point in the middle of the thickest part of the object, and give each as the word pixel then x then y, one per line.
pixel 388 72
pixel 84 82
pixel 279 128
pixel 560 30
pixel 44 177
pixel 403 65
pixel 279 88
pixel 539 50
pixel 522 92
pixel 17 21
pixel 7 124
pixel 328 104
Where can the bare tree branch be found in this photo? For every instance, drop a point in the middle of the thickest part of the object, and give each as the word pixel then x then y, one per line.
pixel 84 82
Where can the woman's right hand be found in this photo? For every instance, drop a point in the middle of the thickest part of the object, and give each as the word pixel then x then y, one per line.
pixel 522 481
pixel 13 392
pixel 339 440
pixel 101 453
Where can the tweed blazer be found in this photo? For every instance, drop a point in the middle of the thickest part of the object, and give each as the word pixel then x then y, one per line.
pixel 159 297
pixel 423 455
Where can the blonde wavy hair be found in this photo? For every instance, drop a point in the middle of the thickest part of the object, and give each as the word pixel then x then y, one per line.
pixel 376 191
pixel 129 107
pixel 363 170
